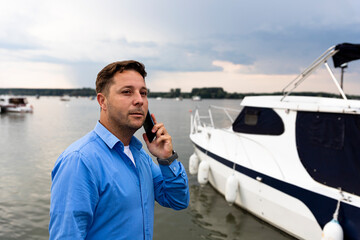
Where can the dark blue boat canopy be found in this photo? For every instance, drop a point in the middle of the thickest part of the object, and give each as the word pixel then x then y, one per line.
pixel 347 52
pixel 328 147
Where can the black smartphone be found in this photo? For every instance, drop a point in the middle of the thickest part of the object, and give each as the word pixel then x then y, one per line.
pixel 148 126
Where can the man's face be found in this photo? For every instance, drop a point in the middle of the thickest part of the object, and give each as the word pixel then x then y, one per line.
pixel 126 101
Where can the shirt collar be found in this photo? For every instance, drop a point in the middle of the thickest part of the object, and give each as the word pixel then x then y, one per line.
pixel 111 140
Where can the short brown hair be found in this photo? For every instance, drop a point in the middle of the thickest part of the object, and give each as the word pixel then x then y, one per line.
pixel 105 76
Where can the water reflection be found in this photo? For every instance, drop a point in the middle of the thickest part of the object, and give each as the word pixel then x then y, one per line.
pixel 210 211
pixel 24 177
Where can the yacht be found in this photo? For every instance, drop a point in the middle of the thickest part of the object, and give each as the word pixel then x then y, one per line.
pixel 15 104
pixel 292 161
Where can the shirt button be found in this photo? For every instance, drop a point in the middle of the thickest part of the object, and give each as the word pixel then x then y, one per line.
pixel 174 168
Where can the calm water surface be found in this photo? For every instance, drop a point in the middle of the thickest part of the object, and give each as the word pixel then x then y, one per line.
pixel 31 143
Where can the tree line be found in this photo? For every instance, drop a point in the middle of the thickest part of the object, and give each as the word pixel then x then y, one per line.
pixel 204 93
pixel 85 92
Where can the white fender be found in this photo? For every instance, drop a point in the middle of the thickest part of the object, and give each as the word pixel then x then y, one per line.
pixel 203 173
pixel 231 189
pixel 193 164
pixel 332 231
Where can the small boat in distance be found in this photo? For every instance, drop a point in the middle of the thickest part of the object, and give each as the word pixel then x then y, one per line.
pixel 196 98
pixel 292 161
pixel 65 98
pixel 15 104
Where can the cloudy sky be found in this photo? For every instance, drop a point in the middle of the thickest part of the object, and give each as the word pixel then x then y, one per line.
pixel 242 46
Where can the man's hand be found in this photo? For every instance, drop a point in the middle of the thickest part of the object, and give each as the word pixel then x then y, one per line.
pixel 161 147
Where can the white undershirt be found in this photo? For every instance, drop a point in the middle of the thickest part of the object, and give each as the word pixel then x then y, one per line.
pixel 128 153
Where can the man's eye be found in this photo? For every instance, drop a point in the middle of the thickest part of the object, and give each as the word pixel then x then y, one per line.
pixel 126 91
pixel 144 94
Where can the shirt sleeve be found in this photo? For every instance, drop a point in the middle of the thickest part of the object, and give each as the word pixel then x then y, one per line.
pixel 73 198
pixel 171 185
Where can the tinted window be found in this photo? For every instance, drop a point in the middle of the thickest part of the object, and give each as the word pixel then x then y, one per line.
pixel 255 120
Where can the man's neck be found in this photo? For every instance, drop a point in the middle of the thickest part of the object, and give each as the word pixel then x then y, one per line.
pixel 124 135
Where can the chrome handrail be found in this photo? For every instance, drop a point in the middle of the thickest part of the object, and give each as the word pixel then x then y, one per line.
pixel 226 111
pixel 196 118
pixel 306 73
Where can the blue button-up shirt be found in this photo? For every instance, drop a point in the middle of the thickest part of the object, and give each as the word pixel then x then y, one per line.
pixel 98 193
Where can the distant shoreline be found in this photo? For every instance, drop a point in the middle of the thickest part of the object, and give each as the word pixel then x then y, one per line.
pixel 204 93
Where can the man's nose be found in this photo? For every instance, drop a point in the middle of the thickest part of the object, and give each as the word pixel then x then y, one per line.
pixel 138 99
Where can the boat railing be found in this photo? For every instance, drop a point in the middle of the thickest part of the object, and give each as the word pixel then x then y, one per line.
pixel 208 120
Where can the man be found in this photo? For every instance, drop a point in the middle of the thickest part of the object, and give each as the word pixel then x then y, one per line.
pixel 105 184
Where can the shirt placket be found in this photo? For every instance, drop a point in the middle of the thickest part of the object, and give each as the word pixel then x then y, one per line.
pixel 138 172
pixel 139 182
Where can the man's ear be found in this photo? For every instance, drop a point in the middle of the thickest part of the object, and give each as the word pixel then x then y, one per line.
pixel 102 101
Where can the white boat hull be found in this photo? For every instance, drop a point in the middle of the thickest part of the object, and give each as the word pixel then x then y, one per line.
pixel 26 109
pixel 277 208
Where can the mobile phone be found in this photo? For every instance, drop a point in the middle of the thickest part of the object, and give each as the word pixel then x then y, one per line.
pixel 148 126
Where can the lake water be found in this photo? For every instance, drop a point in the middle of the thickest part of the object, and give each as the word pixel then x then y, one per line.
pixel 31 143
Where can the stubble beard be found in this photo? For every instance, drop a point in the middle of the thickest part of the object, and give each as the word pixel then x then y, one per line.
pixel 124 124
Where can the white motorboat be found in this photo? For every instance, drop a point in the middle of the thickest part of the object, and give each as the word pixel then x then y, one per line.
pixel 65 98
pixel 15 104
pixel 293 161
pixel 196 98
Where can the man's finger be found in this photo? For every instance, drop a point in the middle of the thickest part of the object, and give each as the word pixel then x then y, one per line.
pixel 163 139
pixel 153 118
pixel 157 126
pixel 161 131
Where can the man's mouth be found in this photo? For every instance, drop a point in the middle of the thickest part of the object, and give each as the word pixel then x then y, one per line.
pixel 137 113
